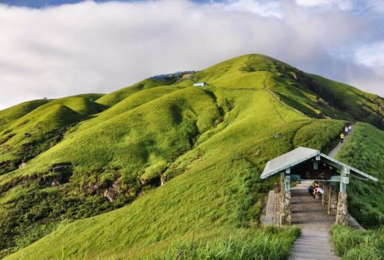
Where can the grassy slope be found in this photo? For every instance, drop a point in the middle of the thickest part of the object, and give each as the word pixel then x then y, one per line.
pixel 365 151
pixel 181 120
pixel 204 201
pixel 135 152
pixel 119 95
pixel 13 113
pixel 210 144
pixel 354 244
pixel 362 106
pixel 38 125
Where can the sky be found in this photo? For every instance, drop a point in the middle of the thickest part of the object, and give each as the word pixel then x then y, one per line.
pixel 60 48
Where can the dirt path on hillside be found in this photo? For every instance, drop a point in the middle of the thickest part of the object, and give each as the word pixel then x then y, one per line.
pixel 335 150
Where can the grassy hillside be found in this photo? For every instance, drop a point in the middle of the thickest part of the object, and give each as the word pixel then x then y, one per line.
pixel 15 112
pixel 119 95
pixel 354 244
pixel 34 127
pixel 181 163
pixel 365 151
pixel 219 196
pixel 360 105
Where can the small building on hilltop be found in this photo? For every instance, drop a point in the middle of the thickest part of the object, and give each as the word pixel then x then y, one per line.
pixel 200 84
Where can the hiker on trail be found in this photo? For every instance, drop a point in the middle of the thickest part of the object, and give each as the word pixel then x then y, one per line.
pixel 346 129
pixel 342 137
pixel 350 128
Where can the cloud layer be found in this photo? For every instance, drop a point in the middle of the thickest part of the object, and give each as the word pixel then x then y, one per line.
pixel 98 48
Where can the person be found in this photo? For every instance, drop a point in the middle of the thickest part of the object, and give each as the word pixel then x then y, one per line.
pixel 320 192
pixel 349 128
pixel 342 137
pixel 310 189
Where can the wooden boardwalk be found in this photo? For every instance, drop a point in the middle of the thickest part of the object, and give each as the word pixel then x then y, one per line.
pixel 314 222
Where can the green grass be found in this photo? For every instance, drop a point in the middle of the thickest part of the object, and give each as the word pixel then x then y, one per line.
pixel 358 104
pixel 364 150
pixel 197 202
pixel 13 113
pixel 353 244
pixel 38 130
pixel 207 146
pixel 265 243
pixel 205 198
pixel 119 95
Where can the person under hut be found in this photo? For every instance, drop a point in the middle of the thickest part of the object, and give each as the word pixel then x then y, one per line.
pixel 311 189
pixel 318 192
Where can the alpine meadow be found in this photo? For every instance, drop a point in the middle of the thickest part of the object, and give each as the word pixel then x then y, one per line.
pixel 164 169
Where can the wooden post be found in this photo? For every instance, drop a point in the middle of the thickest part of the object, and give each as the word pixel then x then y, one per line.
pixel 316 162
pixel 344 179
pixel 324 200
pixel 287 180
pixel 329 195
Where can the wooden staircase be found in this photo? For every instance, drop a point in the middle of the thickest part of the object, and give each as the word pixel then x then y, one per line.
pixel 314 240
pixel 313 244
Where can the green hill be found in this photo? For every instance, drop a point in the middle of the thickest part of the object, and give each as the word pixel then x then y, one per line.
pixel 14 113
pixel 176 167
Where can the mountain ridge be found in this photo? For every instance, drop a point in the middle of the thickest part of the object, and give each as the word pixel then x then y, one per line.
pixel 126 148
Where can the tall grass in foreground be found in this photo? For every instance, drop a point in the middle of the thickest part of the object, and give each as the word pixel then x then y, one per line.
pixel 352 244
pixel 267 243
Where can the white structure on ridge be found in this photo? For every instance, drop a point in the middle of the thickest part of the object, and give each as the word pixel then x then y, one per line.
pixel 200 84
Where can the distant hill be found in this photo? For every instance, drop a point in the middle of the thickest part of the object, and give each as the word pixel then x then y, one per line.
pixel 165 167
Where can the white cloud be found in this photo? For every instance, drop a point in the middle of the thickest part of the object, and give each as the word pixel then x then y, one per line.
pixel 343 5
pixel 262 8
pixel 89 47
pixel 371 55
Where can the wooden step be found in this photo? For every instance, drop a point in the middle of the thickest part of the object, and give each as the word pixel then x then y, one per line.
pixel 313 255
pixel 314 240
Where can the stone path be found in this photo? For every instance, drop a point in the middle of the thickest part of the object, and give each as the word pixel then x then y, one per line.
pixel 314 222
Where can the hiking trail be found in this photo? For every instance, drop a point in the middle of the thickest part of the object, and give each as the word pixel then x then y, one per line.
pixel 314 222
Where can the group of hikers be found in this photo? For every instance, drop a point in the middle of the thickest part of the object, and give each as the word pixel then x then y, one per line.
pixel 347 130
pixel 315 190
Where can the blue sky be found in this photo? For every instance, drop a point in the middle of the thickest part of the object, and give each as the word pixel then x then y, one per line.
pixel 50 3
pixel 45 3
pixel 59 48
